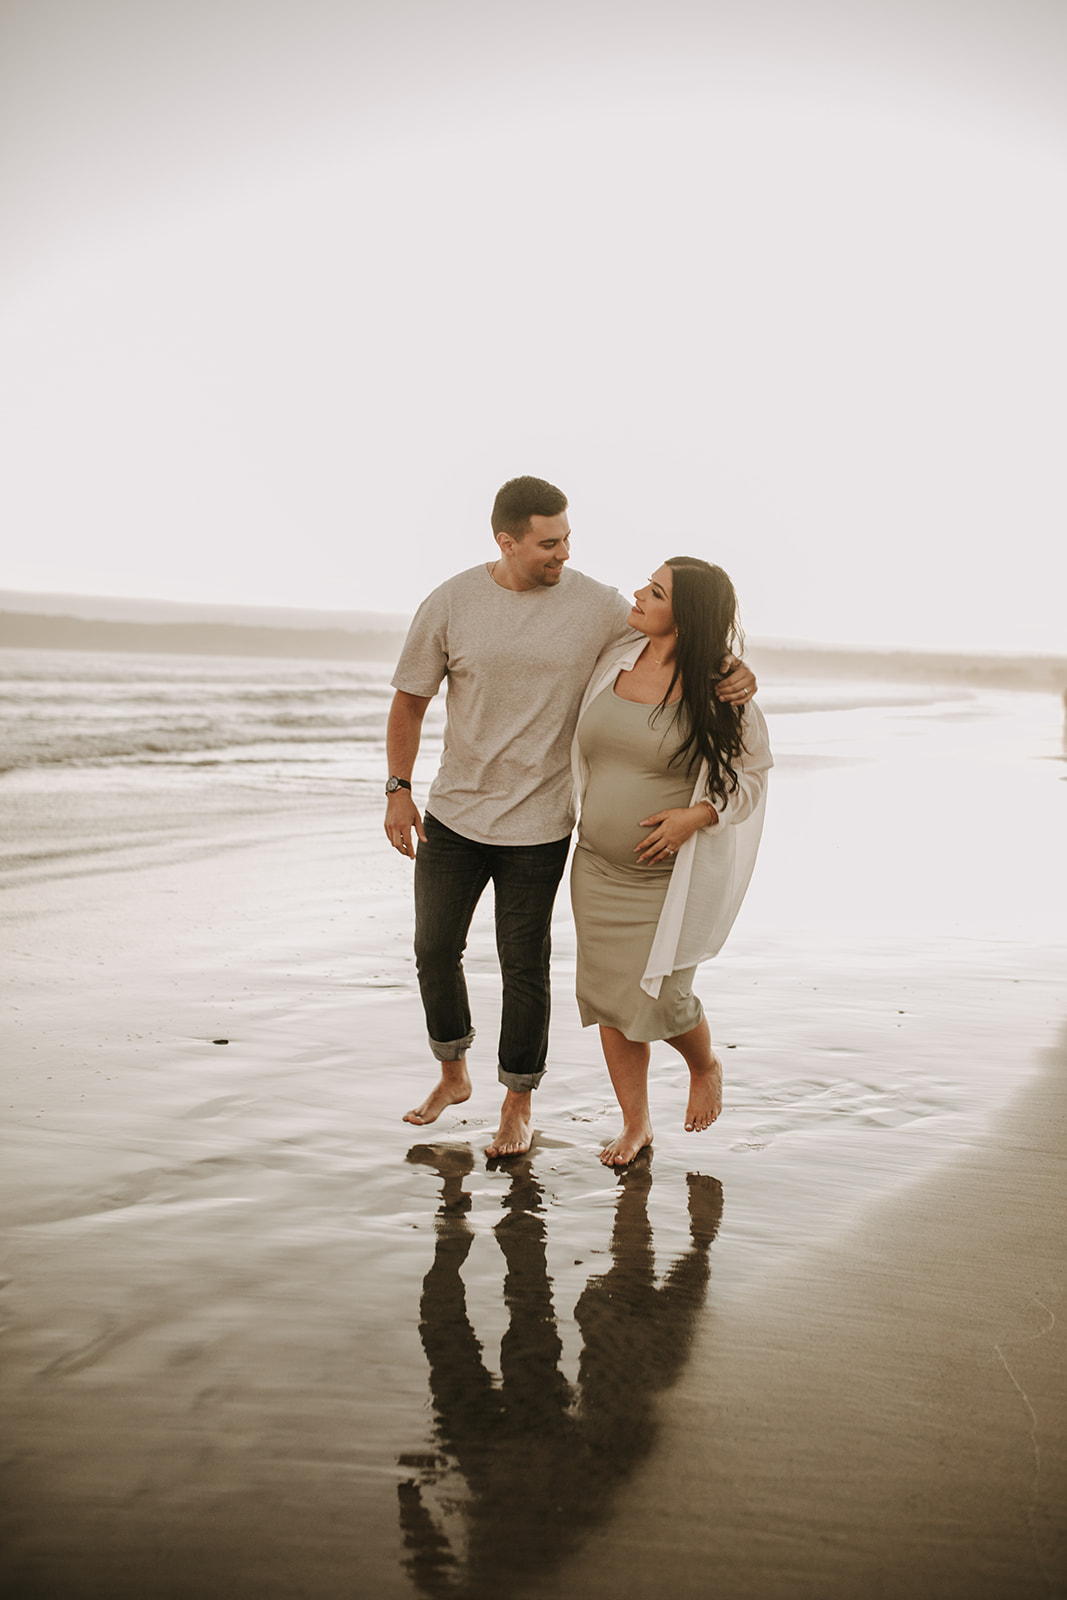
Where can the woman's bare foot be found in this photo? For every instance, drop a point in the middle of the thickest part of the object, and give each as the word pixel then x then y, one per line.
pixel 452 1163
pixel 705 1207
pixel 631 1141
pixel 454 1087
pixel 515 1133
pixel 705 1096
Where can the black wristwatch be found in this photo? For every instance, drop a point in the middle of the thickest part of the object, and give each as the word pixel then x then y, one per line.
pixel 397 783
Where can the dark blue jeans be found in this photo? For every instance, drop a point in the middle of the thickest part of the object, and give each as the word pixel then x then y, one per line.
pixel 450 875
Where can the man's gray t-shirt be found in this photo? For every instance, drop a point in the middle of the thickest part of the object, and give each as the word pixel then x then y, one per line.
pixel 517 664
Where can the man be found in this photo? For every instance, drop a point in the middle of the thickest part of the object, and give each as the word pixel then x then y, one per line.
pixel 517 639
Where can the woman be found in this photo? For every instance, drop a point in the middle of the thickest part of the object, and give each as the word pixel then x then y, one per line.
pixel 672 788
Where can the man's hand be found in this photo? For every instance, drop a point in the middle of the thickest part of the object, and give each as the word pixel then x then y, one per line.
pixel 401 815
pixel 401 747
pixel 739 684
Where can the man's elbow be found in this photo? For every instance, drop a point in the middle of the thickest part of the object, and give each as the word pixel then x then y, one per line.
pixel 410 707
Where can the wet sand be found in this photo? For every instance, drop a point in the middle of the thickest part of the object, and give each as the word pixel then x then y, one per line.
pixel 262 1338
pixel 885 1417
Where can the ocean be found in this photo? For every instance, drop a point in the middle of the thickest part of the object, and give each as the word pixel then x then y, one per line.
pixel 106 754
pixel 280 721
pixel 124 756
pixel 305 721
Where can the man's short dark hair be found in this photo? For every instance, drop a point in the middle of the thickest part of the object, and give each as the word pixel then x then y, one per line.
pixel 523 498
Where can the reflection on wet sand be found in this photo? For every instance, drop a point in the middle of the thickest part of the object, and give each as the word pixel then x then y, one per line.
pixel 541 1457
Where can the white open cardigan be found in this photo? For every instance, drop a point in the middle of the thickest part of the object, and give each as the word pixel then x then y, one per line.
pixel 713 867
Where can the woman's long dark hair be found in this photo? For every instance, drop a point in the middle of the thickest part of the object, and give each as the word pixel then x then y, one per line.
pixel 705 614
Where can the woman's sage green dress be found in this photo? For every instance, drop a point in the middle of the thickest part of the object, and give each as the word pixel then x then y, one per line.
pixel 616 901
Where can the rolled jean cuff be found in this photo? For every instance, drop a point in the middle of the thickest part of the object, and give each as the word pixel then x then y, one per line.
pixel 454 1049
pixel 521 1082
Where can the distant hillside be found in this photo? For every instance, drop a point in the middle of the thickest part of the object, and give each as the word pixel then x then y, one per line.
pixel 31 631
pixel 121 608
pixel 779 661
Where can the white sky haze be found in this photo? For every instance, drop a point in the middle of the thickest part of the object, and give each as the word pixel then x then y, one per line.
pixel 294 287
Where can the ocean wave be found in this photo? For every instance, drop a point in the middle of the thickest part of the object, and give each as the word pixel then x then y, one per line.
pixel 64 710
pixel 67 748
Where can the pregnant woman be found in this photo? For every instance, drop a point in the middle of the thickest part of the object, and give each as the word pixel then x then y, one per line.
pixel 672 792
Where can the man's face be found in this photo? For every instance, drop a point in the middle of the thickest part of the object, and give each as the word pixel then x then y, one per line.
pixel 537 560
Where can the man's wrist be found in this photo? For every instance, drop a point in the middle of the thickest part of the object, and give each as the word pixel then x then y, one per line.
pixel 394 783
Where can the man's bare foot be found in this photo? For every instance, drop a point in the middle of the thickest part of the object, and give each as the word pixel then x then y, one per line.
pixel 631 1141
pixel 515 1133
pixel 454 1087
pixel 705 1096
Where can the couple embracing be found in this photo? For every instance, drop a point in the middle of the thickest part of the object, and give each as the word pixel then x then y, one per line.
pixel 555 687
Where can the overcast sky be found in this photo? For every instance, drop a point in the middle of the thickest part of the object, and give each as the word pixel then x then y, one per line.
pixel 289 288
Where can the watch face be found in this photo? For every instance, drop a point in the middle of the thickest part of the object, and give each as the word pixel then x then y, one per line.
pixel 392 786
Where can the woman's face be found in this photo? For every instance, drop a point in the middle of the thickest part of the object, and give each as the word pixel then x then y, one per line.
pixel 652 612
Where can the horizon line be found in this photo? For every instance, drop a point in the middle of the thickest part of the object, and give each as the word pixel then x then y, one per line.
pixel 353 621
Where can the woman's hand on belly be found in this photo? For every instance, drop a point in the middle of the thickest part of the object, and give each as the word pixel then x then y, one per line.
pixel 670 830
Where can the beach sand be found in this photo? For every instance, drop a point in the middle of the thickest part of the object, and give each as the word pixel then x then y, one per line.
pixel 885 1417
pixel 262 1338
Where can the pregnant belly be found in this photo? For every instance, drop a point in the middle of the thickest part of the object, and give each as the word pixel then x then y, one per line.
pixel 613 808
